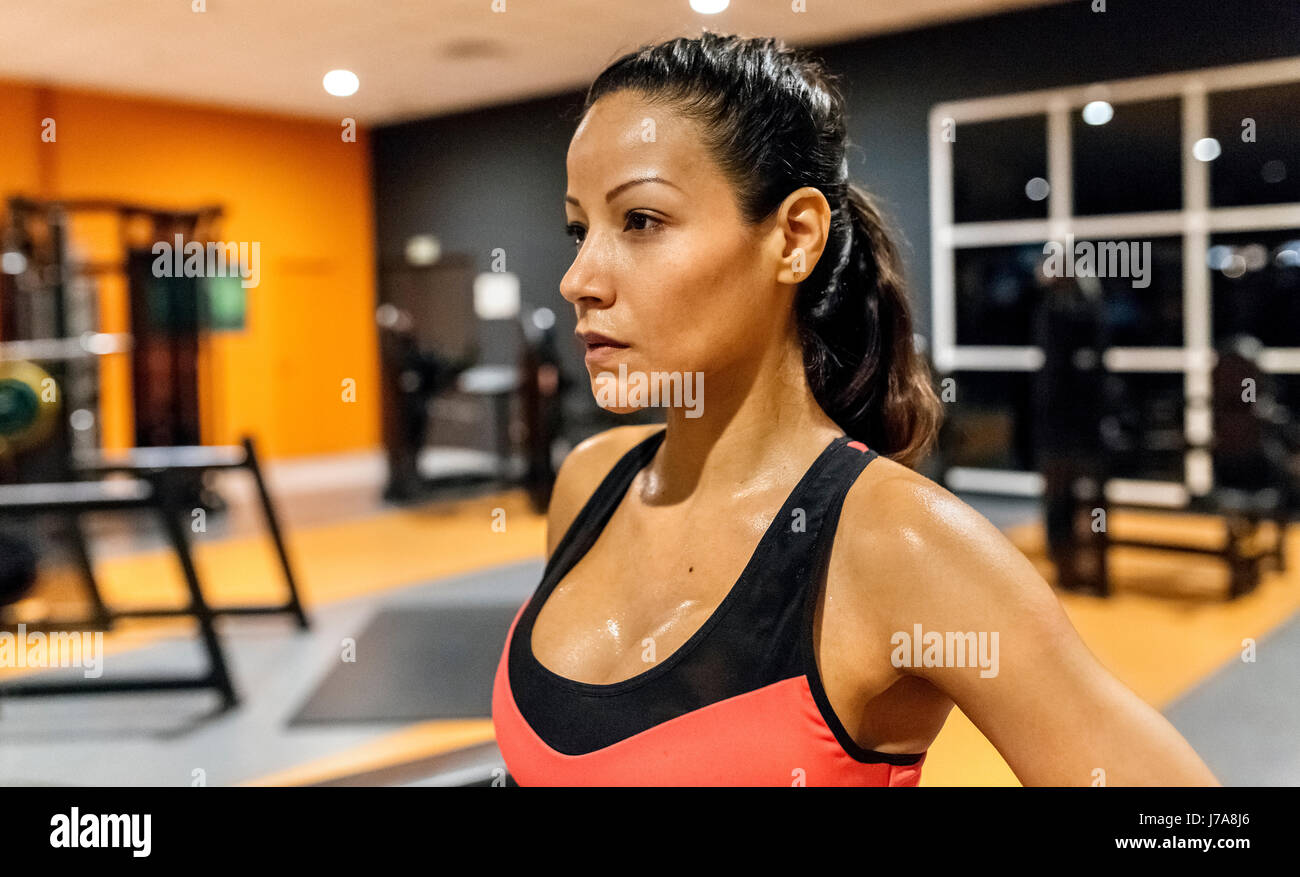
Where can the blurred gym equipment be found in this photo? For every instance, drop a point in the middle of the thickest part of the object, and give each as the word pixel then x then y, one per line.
pixel 1080 412
pixel 17 568
pixel 49 439
pixel 543 385
pixel 29 407
pixel 428 349
pixel 51 315
pixel 29 411
pixel 75 498
pixel 163 466
pixel 1070 400
pixel 411 379
pixel 161 486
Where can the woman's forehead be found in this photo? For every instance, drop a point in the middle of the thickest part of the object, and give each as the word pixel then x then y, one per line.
pixel 636 139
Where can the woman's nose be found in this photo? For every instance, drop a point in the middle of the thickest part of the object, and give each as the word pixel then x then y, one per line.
pixel 586 280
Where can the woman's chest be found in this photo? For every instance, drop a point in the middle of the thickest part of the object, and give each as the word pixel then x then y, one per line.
pixel 634 599
pixel 616 615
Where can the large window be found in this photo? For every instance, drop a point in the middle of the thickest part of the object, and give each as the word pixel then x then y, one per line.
pixel 1198 171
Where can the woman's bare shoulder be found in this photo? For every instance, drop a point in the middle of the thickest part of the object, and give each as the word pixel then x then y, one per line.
pixel 583 470
pixel 913 538
pixel 885 484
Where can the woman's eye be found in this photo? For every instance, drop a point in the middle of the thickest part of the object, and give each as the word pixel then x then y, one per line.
pixel 634 215
pixel 579 234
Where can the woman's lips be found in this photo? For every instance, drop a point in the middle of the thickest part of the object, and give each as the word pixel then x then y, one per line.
pixel 602 353
pixel 601 348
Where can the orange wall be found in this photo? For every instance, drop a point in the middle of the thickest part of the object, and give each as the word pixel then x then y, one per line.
pixel 293 185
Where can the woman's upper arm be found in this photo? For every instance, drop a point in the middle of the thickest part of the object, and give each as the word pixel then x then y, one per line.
pixel 1026 680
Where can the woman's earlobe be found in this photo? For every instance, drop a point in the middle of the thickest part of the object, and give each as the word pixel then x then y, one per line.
pixel 799 263
pixel 796 270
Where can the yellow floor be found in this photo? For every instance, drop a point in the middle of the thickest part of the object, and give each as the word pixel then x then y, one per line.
pixel 1165 629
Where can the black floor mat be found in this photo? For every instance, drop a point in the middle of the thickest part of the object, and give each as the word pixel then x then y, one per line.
pixel 416 663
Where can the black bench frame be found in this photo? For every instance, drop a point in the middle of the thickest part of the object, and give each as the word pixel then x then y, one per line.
pixel 156 487
pixel 1242 512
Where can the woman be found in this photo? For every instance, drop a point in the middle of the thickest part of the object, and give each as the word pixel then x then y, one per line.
pixel 738 598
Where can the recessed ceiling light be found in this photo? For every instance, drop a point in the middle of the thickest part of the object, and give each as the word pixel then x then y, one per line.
pixel 341 83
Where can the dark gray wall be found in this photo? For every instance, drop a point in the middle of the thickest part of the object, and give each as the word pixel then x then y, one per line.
pixel 496 177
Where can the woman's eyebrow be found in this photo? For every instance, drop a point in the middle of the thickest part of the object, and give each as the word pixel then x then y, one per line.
pixel 609 196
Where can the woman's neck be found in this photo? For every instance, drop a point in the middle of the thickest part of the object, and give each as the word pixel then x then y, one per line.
pixel 758 429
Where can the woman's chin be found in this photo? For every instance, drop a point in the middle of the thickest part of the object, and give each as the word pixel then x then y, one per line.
pixel 609 393
pixel 630 409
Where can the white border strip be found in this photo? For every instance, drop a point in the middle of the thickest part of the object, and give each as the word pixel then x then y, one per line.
pixel 1168 85
pixel 1198 338
pixel 1013 482
pixel 1113 226
pixel 1280 360
pixel 1160 493
pixel 943 304
pixel 969 357
pixel 1010 482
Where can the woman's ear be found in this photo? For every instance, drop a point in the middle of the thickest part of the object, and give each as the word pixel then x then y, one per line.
pixel 804 221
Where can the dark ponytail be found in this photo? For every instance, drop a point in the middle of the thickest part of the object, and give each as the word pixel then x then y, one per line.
pixel 774 120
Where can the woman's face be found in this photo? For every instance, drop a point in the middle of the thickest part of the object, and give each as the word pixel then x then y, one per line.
pixel 668 267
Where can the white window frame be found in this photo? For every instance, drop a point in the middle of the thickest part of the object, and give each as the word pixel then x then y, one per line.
pixel 1195 222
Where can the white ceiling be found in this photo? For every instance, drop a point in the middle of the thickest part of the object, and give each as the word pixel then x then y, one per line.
pixel 414 57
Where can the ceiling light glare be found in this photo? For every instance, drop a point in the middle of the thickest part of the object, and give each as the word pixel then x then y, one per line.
pixel 341 83
pixel 1098 112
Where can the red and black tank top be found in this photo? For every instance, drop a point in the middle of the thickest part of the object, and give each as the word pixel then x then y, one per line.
pixel 740 703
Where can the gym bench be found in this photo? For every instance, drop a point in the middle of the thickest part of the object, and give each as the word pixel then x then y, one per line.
pixel 74 498
pixel 154 485
pixel 159 463
pixel 1242 512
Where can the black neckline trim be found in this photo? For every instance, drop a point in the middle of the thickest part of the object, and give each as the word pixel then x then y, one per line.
pixel 647 446
pixel 685 649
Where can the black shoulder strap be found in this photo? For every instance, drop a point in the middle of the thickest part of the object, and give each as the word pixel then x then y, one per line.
pixel 604 499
